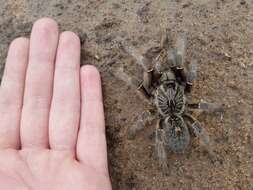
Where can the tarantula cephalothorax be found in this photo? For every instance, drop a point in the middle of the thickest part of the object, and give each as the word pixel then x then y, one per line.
pixel 168 85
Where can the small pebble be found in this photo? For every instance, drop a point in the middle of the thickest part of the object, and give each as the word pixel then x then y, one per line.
pixel 242 65
pixel 186 5
pixel 97 57
pixel 228 56
pixel 232 84
pixel 242 2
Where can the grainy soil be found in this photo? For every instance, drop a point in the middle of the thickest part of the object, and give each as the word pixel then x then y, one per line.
pixel 220 32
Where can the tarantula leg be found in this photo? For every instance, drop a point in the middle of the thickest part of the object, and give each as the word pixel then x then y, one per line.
pixel 150 70
pixel 191 75
pixel 160 147
pixel 207 106
pixel 141 121
pixel 200 132
pixel 180 55
pixel 181 47
pixel 165 42
pixel 146 85
pixel 166 57
pixel 132 82
pixel 172 55
pixel 138 57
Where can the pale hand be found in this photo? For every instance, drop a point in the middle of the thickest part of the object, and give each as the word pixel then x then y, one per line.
pixel 52 130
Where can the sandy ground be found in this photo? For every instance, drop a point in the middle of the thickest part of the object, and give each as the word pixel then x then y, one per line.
pixel 220 31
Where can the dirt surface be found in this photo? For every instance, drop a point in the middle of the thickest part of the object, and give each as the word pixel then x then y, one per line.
pixel 220 31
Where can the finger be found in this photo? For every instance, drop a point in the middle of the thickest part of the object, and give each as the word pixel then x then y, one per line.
pixel 65 108
pixel 38 85
pixel 11 93
pixel 91 142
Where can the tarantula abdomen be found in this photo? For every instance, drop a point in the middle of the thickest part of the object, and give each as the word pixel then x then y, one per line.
pixel 177 136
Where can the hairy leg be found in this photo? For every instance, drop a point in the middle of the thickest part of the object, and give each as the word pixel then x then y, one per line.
pixel 191 75
pixel 200 132
pixel 142 120
pixel 179 67
pixel 181 48
pixel 145 61
pixel 207 106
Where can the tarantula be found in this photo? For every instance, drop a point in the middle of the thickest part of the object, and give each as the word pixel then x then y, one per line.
pixel 167 85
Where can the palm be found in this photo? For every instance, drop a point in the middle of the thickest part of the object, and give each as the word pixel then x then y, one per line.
pixel 52 132
pixel 46 169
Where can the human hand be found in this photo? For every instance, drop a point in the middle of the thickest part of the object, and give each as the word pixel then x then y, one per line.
pixel 52 130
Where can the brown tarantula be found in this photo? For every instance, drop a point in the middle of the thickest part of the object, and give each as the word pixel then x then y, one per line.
pixel 168 85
